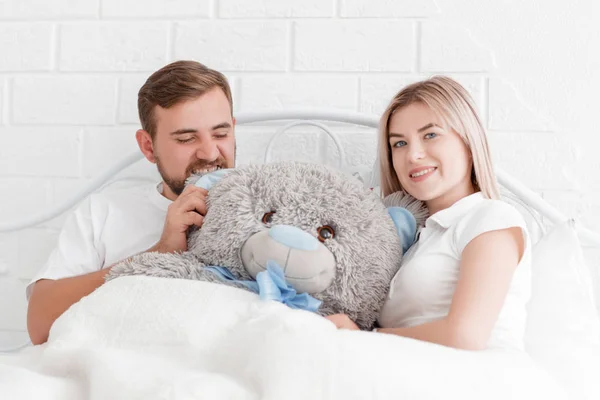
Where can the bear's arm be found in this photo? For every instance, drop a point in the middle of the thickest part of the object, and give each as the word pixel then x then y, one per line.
pixel 168 265
pixel 164 265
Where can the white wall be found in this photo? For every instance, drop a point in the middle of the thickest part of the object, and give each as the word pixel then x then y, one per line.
pixel 70 70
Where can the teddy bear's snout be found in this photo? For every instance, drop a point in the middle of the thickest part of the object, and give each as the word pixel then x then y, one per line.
pixel 308 265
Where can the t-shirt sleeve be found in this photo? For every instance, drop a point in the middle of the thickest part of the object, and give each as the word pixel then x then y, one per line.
pixel 492 216
pixel 75 253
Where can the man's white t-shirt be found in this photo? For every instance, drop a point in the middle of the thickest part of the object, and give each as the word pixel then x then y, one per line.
pixel 106 228
pixel 423 288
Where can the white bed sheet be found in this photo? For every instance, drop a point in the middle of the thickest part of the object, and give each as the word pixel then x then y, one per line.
pixel 154 338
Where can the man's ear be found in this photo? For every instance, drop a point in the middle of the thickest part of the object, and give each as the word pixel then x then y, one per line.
pixel 145 144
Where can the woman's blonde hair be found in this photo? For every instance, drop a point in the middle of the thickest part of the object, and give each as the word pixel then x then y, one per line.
pixel 451 102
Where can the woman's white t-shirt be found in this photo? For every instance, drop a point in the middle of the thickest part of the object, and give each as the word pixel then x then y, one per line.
pixel 423 288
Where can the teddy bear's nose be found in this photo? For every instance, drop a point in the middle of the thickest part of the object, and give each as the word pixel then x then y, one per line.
pixel 293 237
pixel 308 265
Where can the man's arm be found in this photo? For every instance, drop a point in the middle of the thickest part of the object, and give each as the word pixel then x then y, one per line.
pixel 51 298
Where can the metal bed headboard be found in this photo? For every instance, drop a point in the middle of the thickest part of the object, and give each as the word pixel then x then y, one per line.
pixel 516 190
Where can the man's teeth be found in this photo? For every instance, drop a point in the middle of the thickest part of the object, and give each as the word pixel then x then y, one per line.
pixel 205 170
pixel 421 173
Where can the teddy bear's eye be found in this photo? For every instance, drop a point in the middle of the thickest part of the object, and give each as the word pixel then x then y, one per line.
pixel 268 217
pixel 326 232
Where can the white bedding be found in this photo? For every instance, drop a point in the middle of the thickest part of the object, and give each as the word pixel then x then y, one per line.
pixel 154 338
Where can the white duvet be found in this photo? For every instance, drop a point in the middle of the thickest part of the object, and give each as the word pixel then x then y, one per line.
pixel 154 338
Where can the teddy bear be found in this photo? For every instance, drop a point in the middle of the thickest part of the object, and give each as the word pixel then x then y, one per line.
pixel 311 234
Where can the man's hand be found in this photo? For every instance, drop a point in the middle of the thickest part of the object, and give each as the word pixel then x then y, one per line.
pixel 187 210
pixel 342 321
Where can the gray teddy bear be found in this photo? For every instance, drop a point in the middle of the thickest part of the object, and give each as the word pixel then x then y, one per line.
pixel 317 229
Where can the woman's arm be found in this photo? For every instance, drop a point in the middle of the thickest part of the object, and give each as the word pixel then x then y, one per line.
pixel 486 269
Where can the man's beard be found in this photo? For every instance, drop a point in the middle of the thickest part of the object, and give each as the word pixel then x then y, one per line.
pixel 178 184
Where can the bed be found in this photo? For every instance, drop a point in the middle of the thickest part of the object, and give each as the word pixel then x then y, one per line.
pixel 563 329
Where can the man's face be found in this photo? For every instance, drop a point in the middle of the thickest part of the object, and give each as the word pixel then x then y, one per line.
pixel 193 136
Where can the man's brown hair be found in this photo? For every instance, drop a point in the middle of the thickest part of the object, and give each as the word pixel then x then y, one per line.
pixel 174 83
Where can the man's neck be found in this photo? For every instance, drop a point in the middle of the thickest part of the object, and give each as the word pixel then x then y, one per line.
pixel 167 192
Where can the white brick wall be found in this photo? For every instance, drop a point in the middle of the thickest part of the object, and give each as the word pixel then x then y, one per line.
pixel 377 91
pixel 3 95
pixel 509 112
pixel 70 71
pixel 63 99
pixel 349 45
pixel 446 48
pixel 48 152
pixel 387 8
pixel 128 89
pixel 34 194
pixel 44 10
pixel 234 45
pixel 542 159
pixel 99 142
pixel 25 46
pixel 275 9
pixel 277 92
pixel 163 9
pixel 113 46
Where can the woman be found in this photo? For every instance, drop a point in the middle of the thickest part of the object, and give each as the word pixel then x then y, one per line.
pixel 466 280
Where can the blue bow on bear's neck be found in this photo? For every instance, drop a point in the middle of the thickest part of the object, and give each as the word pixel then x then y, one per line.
pixel 271 285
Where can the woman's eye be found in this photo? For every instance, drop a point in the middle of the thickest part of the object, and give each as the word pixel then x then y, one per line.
pixel 326 232
pixel 400 143
pixel 268 217
pixel 431 135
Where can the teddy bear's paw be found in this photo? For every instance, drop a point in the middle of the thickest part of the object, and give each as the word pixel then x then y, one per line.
pixel 123 268
pixel 162 265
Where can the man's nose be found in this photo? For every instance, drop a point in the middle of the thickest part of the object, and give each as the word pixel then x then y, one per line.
pixel 207 150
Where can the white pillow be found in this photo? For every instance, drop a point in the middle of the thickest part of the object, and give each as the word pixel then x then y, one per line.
pixel 563 329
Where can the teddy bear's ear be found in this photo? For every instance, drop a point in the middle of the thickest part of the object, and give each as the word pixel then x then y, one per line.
pixel 407 213
pixel 207 181
pixel 406 225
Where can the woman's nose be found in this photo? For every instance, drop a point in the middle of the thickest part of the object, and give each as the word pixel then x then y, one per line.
pixel 416 152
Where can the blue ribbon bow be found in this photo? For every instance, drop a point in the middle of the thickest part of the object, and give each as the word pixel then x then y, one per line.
pixel 271 285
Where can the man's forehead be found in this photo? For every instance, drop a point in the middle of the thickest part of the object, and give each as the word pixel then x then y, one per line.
pixel 194 114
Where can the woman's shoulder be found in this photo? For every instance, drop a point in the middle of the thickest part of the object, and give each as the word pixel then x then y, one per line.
pixel 489 215
pixel 491 209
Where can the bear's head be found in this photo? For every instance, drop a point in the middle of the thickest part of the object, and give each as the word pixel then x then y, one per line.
pixel 333 238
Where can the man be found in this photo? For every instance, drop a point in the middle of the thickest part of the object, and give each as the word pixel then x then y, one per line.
pixel 185 111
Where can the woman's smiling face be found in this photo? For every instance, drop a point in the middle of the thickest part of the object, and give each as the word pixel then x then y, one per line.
pixel 432 162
